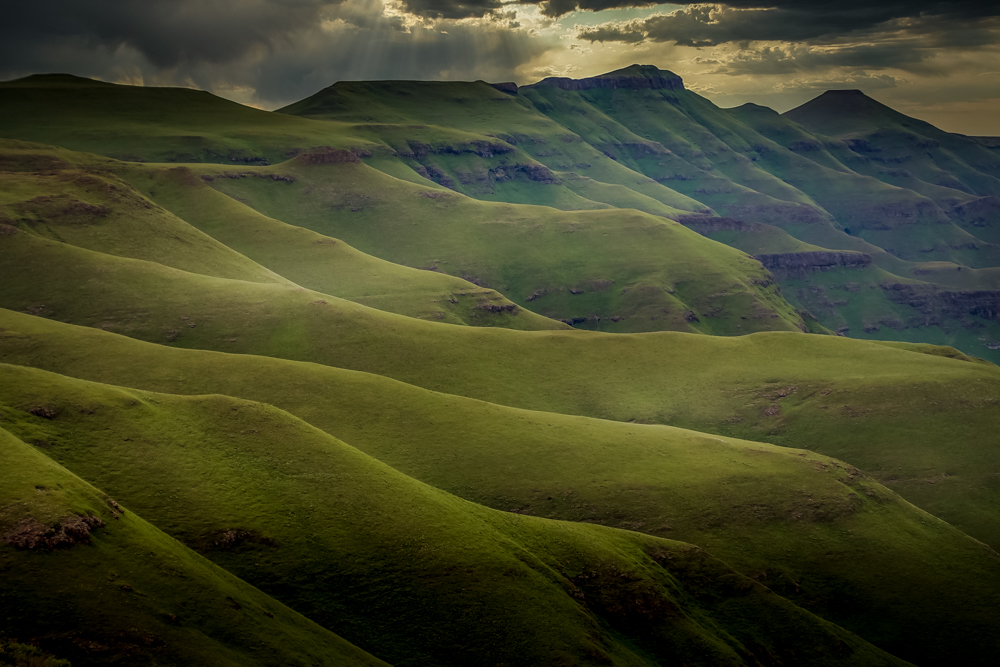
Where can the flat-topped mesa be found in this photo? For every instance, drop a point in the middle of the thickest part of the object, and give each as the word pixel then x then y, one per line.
pixel 634 76
pixel 508 87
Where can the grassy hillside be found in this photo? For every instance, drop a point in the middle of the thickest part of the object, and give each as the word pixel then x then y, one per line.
pixel 749 163
pixel 331 431
pixel 800 524
pixel 155 124
pixel 580 146
pixel 47 196
pixel 614 270
pixel 530 158
pixel 89 580
pixel 723 385
pixel 80 199
pixel 409 572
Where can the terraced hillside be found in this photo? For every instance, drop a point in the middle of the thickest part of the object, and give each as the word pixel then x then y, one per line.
pixel 322 358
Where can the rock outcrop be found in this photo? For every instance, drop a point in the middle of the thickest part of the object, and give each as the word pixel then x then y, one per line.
pixel 635 77
pixel 710 224
pixel 508 87
pixel 935 303
pixel 789 263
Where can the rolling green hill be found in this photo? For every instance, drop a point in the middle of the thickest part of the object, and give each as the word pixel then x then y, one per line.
pixel 409 572
pixel 723 385
pixel 128 594
pixel 91 207
pixel 616 270
pixel 635 138
pixel 816 531
pixel 376 364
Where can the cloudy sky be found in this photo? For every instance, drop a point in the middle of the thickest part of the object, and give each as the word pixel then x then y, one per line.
pixel 939 61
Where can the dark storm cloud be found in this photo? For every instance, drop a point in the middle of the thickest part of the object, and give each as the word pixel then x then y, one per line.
pixel 271 62
pixel 166 32
pixel 710 25
pixel 452 9
pixel 796 16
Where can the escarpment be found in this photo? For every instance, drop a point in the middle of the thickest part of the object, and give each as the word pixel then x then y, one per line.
pixel 634 77
pixel 788 263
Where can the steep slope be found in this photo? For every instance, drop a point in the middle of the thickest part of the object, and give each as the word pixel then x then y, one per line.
pixel 819 532
pixel 410 572
pixel 47 196
pixel 749 163
pixel 81 199
pixel 616 270
pixel 530 156
pixel 939 302
pixel 959 172
pixel 553 144
pixel 716 384
pixel 89 580
pixel 689 127
pixel 937 157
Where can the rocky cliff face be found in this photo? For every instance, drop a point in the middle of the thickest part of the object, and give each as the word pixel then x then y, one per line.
pixel 508 87
pixel 935 303
pixel 710 224
pixel 787 264
pixel 634 77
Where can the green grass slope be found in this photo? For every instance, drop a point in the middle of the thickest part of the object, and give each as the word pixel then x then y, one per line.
pixel 819 532
pixel 409 572
pixel 155 124
pixel 559 151
pixel 328 265
pixel 940 219
pixel 416 117
pixel 81 199
pixel 84 205
pixel 688 126
pixel 89 580
pixel 888 137
pixel 616 270
pixel 715 384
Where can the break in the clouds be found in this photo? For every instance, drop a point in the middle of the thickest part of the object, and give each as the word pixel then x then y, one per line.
pixel 925 57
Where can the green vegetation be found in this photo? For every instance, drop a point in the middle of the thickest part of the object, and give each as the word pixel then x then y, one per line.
pixel 830 184
pixel 308 520
pixel 798 533
pixel 319 352
pixel 617 270
pixel 126 592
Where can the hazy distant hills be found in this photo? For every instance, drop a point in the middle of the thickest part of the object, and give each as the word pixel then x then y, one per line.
pixel 437 373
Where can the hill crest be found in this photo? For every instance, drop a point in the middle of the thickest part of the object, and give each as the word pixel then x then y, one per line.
pixel 633 76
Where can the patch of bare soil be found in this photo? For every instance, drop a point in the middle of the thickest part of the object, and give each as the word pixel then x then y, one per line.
pixel 67 532
pixel 230 540
pixel 327 155
pixel 62 209
pixel 497 307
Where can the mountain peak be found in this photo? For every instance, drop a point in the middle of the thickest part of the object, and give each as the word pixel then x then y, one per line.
pixel 633 76
pixel 55 80
pixel 838 112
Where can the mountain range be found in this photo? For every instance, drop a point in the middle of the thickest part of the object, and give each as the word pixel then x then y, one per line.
pixel 586 372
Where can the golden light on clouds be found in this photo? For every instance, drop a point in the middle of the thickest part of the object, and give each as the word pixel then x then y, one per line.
pixel 937 61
